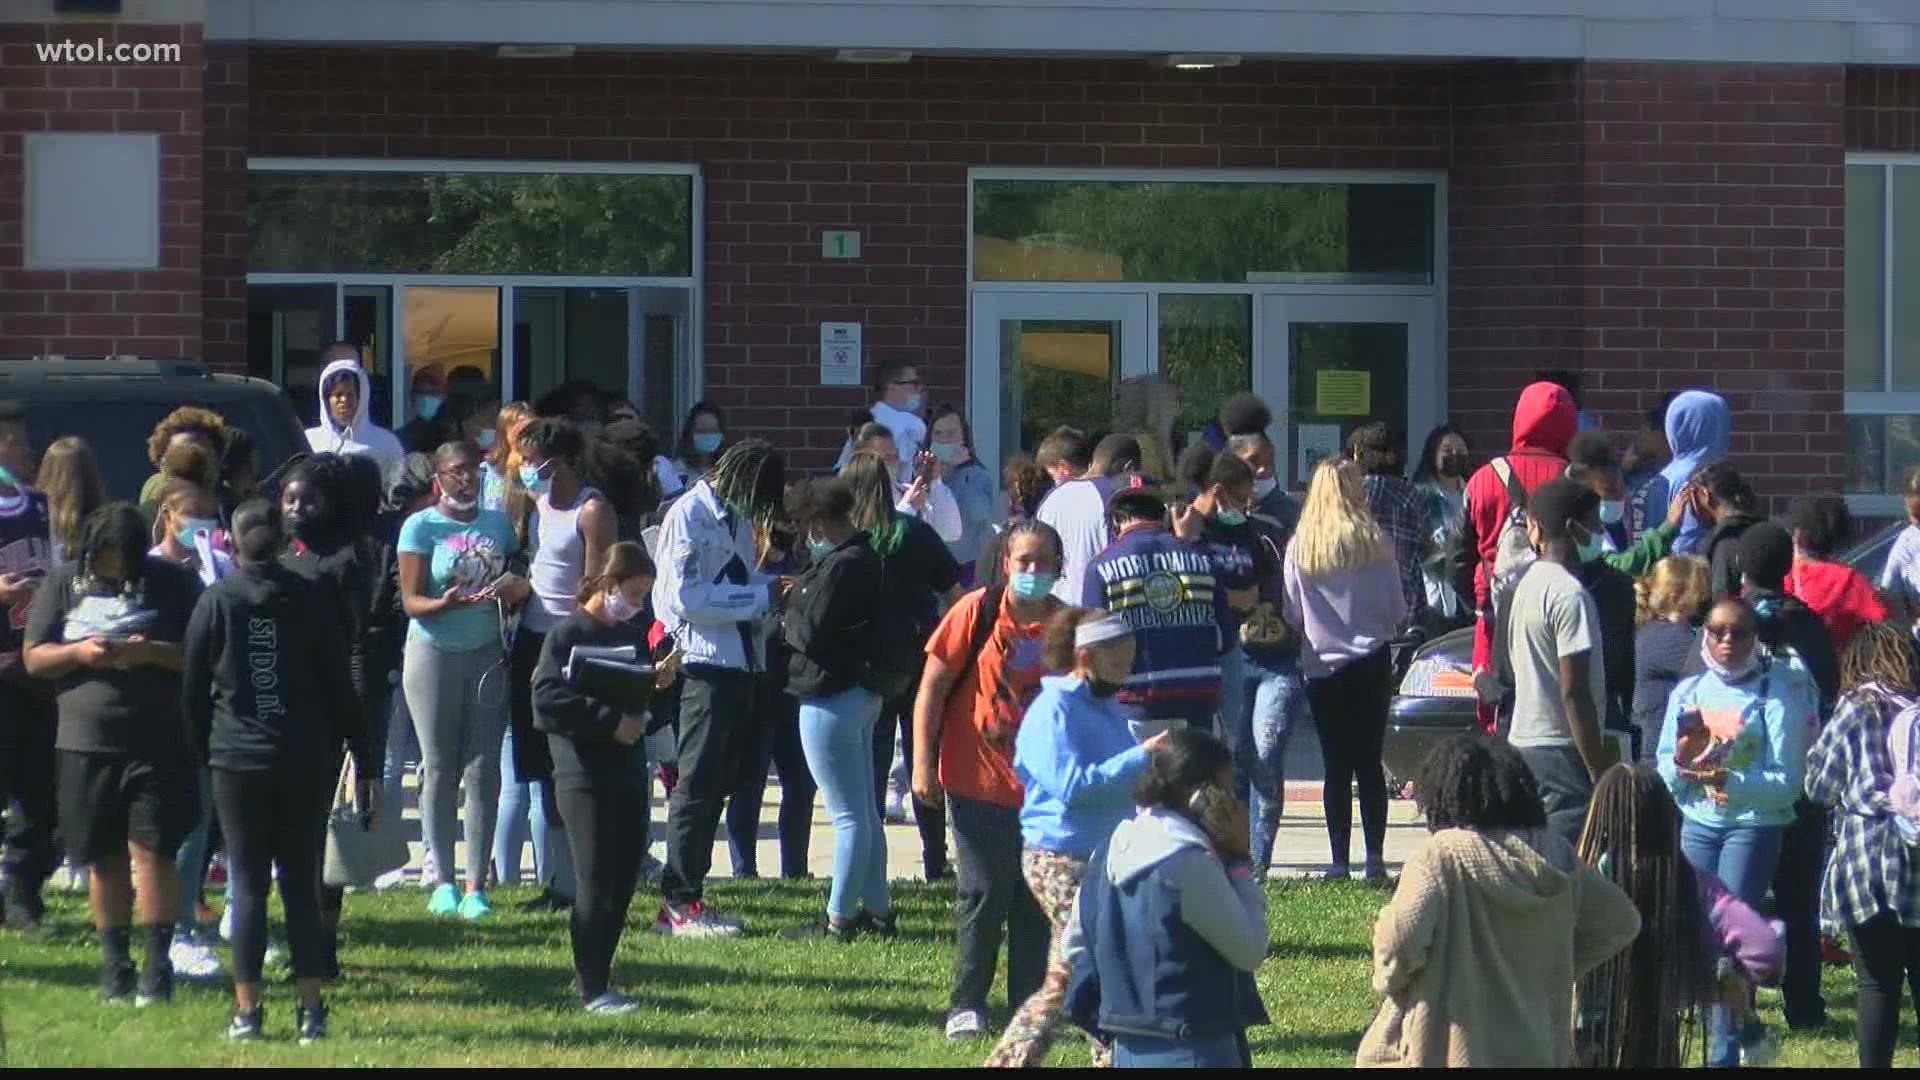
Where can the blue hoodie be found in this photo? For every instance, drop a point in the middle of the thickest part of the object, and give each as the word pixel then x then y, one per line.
pixel 1698 426
pixel 1077 760
pixel 1770 717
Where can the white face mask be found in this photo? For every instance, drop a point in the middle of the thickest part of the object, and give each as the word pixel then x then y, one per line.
pixel 619 608
pixel 1728 674
pixel 1613 511
pixel 1264 487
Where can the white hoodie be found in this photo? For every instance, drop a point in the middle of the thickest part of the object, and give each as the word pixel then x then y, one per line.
pixel 360 437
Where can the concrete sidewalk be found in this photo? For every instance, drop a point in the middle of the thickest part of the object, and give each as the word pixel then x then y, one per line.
pixel 1300 848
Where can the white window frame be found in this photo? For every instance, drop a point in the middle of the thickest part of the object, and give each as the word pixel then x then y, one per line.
pixel 983 390
pixel 692 373
pixel 1882 402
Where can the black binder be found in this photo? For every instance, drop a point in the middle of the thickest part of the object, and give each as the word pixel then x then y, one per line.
pixel 621 676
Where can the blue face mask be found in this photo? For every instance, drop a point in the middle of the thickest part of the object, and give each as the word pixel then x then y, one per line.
pixel 484 440
pixel 186 530
pixel 706 442
pixel 819 548
pixel 1590 549
pixel 427 406
pixel 912 404
pixel 1031 585
pixel 1230 517
pixel 535 483
pixel 7 478
pixel 946 452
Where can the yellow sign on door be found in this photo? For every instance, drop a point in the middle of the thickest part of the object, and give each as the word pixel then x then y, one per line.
pixel 1343 393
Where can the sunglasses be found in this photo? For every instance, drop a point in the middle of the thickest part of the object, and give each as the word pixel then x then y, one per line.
pixel 1729 633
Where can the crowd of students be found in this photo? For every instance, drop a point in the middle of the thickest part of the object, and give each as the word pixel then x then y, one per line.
pixel 1092 684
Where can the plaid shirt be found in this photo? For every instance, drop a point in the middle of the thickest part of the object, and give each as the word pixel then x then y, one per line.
pixel 1403 514
pixel 1850 770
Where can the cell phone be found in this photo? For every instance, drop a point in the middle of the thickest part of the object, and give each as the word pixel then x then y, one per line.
pixel 923 466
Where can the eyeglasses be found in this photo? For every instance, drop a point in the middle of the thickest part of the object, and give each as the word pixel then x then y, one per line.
pixel 914 383
pixel 1729 633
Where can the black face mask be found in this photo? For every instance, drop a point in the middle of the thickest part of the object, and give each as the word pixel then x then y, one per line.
pixel 1454 465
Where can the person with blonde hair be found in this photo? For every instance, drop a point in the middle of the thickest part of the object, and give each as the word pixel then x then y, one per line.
pixel 1343 593
pixel 69 476
pixel 1672 601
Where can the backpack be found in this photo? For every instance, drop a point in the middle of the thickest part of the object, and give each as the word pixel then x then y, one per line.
pixel 1903 749
pixel 1513 556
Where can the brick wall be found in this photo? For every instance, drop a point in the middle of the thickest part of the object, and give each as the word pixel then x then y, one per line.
pixel 103 311
pixel 223 260
pixel 1712 247
pixel 1513 238
pixel 791 147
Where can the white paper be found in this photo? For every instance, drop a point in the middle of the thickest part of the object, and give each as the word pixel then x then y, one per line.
pixel 1315 442
pixel 839 354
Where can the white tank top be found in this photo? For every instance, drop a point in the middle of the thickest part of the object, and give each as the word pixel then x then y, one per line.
pixel 558 562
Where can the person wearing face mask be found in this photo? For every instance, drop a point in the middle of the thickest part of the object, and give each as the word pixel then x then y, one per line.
pixel 1733 751
pixel 923 493
pixel 190 536
pixel 1441 476
pixel 1077 760
pixel 424 432
pixel 951 441
pixel 702 438
pixel 1557 656
pixel 897 387
pixel 599 768
pixel 575 527
pixel 828 629
pixel 456 588
pixel 983 669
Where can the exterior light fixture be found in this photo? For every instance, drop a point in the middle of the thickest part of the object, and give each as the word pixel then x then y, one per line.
pixel 1199 61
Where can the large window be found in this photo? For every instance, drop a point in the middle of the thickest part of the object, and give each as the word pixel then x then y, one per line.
pixel 515 276
pixel 1883 324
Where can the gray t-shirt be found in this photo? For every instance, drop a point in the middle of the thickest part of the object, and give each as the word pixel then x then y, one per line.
pixel 1553 617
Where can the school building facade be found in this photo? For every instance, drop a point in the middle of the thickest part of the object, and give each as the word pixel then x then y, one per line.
pixel 1391 209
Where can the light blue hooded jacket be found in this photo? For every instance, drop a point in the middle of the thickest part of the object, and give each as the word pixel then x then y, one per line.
pixel 1698 426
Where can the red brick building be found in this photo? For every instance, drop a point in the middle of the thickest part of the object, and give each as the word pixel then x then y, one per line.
pixel 1650 201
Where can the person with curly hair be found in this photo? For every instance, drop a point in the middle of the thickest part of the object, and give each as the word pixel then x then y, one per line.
pixel 186 425
pixel 1493 922
pixel 1844 600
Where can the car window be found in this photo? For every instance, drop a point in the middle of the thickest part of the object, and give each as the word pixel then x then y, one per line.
pixel 1871 557
pixel 118 431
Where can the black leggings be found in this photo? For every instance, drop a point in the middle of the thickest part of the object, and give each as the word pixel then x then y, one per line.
pixel 930 820
pixel 774 743
pixel 1885 954
pixel 1350 710
pixel 607 826
pixel 275 818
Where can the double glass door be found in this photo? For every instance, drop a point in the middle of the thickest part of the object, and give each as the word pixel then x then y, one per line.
pixel 1325 363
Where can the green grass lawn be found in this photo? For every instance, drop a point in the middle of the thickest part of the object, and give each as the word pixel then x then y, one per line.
pixel 422 992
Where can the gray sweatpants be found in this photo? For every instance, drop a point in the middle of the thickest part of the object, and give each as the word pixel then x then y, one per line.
pixel 460 745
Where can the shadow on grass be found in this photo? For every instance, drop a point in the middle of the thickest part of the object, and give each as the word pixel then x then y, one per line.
pixel 1340 1042
pixel 1313 950
pixel 902 1016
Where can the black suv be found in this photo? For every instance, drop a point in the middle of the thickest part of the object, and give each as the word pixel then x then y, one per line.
pixel 114 403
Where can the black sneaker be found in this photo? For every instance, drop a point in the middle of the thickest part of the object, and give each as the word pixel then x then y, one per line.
pixel 246 1026
pixel 822 929
pixel 156 987
pixel 117 982
pixel 26 911
pixel 881 926
pixel 310 1023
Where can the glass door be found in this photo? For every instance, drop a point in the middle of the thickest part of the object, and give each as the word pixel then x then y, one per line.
pixel 449 336
pixel 1330 364
pixel 1043 359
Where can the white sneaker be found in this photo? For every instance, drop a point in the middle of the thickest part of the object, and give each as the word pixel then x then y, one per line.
pixel 896 811
pixel 392 879
pixel 695 920
pixel 277 955
pixel 964 1024
pixel 613 1004
pixel 226 924
pixel 192 959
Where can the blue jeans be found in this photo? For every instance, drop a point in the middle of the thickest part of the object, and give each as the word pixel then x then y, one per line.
pixel 190 863
pixel 1261 705
pixel 1147 1052
pixel 1743 857
pixel 837 734
pixel 522 813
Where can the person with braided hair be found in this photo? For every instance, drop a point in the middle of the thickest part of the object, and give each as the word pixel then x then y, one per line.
pixel 1872 884
pixel 712 603
pixel 1635 1010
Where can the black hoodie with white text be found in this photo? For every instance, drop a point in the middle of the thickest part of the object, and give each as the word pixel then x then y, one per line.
pixel 266 682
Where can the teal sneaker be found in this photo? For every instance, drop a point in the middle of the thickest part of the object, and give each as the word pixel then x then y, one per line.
pixel 475 906
pixel 446 900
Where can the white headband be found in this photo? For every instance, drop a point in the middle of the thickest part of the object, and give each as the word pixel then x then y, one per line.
pixel 1099 629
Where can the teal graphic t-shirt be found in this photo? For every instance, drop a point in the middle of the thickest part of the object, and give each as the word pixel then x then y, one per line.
pixel 470 554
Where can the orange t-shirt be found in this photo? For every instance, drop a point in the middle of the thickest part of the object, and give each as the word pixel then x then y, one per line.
pixel 997 687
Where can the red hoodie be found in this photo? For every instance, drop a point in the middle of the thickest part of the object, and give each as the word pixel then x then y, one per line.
pixel 1543 425
pixel 1836 592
